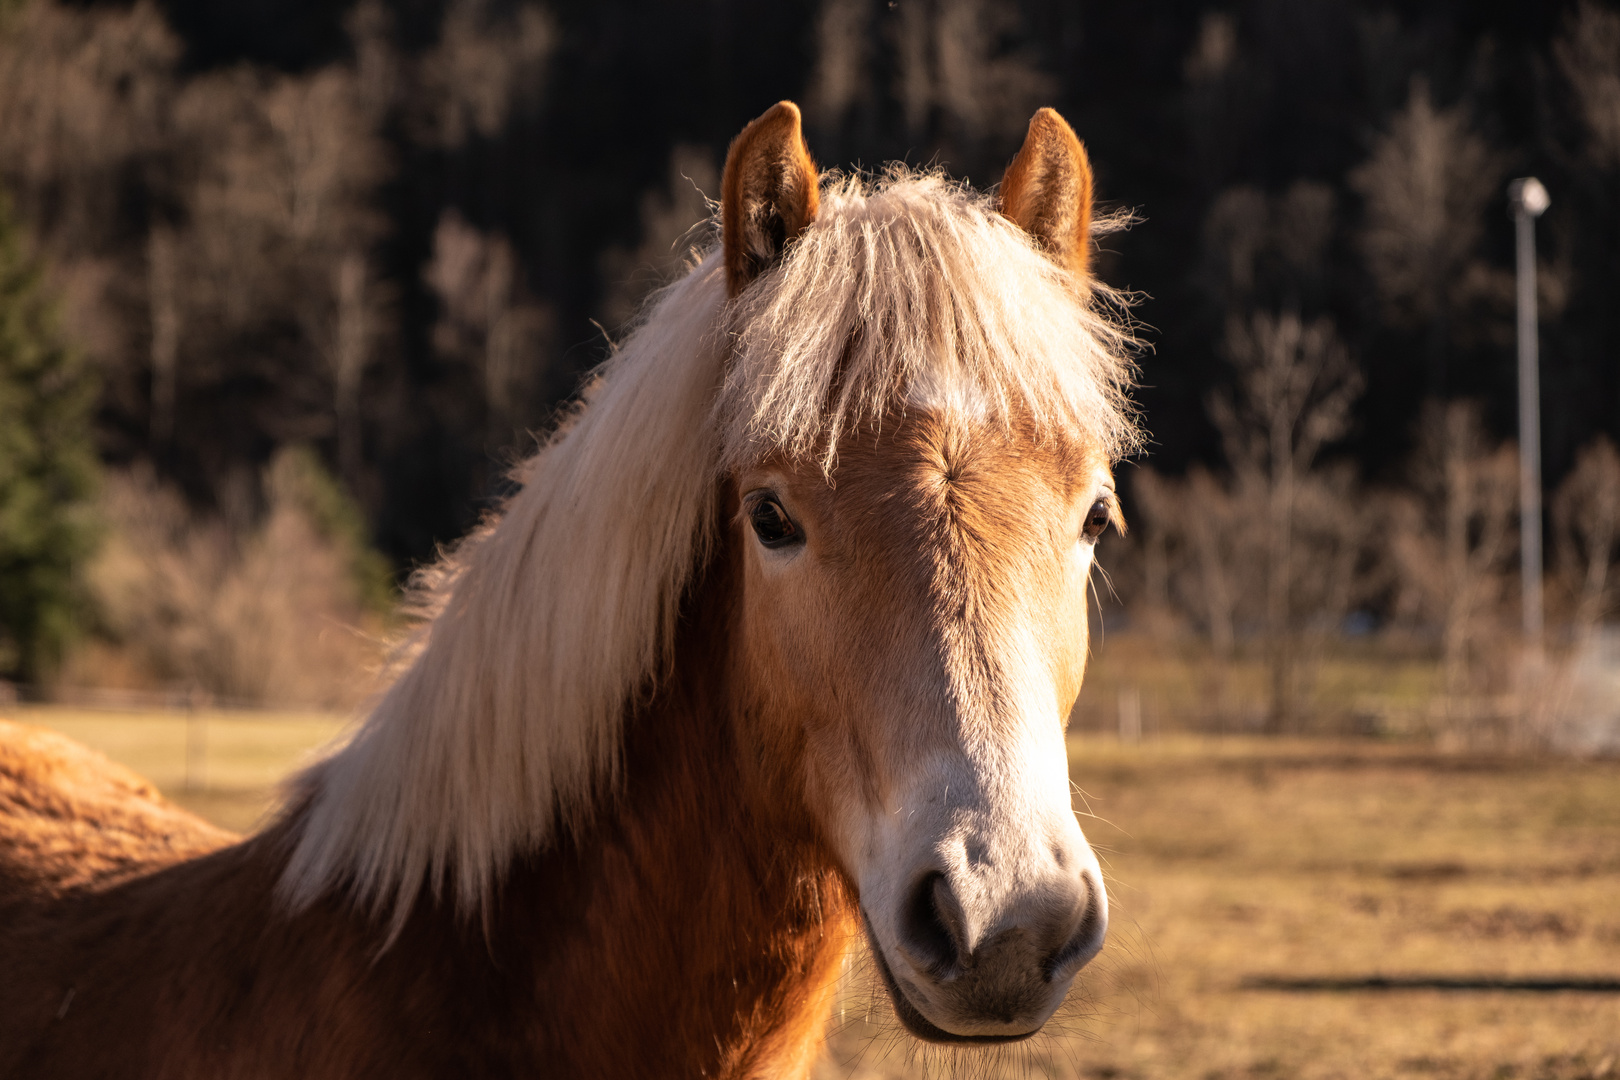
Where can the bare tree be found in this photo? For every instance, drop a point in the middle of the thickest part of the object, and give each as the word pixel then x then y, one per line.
pixel 1586 532
pixel 1218 533
pixel 1426 187
pixel 84 94
pixel 1586 524
pixel 1588 53
pixel 359 304
pixel 326 137
pixel 1453 541
pixel 280 196
pixel 843 30
pixel 953 78
pixel 265 611
pixel 1337 524
pixel 1264 249
pixel 1236 232
pixel 85 98
pixel 1276 543
pixel 322 156
pixel 949 62
pixel 1202 535
pixel 483 66
pixel 1295 385
pixel 1193 541
pixel 378 66
pixel 487 319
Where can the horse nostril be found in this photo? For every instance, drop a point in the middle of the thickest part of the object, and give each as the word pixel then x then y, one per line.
pixel 931 925
pixel 1087 939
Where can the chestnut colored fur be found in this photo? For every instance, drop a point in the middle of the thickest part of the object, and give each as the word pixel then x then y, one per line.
pixel 1047 191
pixel 72 820
pixel 769 191
pixel 696 932
pixel 652 886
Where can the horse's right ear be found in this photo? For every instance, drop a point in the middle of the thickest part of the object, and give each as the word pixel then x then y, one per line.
pixel 1047 192
pixel 768 196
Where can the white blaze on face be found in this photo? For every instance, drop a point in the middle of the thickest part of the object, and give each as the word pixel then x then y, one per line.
pixel 989 810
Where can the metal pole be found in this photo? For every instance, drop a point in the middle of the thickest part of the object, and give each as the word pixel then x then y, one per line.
pixel 1529 199
pixel 195 748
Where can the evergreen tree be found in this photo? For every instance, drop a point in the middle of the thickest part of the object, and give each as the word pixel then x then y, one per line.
pixel 48 469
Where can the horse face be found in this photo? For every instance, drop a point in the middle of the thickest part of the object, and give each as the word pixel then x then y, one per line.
pixel 915 635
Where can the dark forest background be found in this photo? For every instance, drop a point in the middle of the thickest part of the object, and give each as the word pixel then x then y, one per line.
pixel 390 237
pixel 562 129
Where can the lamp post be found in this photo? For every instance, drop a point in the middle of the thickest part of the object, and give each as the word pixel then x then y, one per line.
pixel 1529 200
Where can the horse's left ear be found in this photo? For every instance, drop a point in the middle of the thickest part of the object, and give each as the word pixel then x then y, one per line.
pixel 1047 192
pixel 768 196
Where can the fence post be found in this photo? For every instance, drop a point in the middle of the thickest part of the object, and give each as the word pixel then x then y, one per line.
pixel 196 744
pixel 1130 714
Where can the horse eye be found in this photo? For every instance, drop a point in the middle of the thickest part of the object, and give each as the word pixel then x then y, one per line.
pixel 1096 520
pixel 772 525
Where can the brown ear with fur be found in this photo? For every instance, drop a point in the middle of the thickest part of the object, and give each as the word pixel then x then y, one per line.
pixel 1047 192
pixel 768 196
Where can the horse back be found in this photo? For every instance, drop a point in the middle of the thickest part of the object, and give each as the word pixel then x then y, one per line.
pixel 71 820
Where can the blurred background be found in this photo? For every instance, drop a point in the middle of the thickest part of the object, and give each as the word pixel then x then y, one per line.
pixel 287 286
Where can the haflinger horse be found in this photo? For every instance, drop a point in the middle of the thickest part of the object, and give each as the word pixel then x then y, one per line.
pixel 774 648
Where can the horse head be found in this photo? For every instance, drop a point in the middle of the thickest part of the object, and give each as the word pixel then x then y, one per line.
pixel 819 534
pixel 915 539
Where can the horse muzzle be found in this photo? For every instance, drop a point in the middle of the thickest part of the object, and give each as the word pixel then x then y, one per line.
pixel 960 974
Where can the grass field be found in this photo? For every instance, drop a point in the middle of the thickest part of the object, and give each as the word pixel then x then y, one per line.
pixel 1322 867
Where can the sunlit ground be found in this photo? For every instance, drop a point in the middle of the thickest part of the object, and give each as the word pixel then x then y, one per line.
pixel 1232 862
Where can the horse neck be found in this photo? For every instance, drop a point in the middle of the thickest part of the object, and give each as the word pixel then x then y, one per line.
pixel 695 928
pixel 700 920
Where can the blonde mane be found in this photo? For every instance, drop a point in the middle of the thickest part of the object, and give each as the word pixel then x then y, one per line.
pixel 545 625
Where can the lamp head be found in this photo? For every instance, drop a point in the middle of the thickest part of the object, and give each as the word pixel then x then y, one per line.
pixel 1527 196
